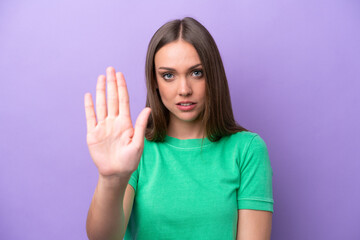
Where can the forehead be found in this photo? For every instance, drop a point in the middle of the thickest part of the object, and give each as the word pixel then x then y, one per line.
pixel 179 54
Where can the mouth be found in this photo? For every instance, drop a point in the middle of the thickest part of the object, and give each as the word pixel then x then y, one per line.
pixel 186 106
pixel 185 103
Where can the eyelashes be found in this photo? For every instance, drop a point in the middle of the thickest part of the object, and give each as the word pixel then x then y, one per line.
pixel 167 76
pixel 197 73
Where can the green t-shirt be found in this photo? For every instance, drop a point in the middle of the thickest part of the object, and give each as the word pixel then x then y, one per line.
pixel 185 191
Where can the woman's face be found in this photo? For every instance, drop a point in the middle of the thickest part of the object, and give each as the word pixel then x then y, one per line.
pixel 180 80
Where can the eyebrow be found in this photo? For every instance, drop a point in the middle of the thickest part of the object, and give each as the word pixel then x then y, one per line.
pixel 172 69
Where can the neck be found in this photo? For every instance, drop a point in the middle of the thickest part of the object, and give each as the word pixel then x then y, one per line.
pixel 185 130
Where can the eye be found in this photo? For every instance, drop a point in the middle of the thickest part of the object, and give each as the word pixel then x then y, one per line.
pixel 167 76
pixel 197 73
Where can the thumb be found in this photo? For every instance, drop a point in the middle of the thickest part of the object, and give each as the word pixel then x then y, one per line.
pixel 140 126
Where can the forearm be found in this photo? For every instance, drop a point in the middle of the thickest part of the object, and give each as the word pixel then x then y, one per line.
pixel 106 218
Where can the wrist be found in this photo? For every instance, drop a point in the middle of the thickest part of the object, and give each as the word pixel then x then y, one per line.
pixel 114 181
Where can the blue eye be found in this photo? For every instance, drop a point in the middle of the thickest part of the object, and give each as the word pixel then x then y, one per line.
pixel 167 76
pixel 197 73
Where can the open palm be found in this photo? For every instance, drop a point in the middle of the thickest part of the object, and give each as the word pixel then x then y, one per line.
pixel 114 145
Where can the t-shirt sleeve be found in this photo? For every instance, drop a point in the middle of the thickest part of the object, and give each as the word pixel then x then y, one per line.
pixel 255 190
pixel 134 179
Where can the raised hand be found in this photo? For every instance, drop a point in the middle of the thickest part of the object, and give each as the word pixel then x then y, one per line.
pixel 114 145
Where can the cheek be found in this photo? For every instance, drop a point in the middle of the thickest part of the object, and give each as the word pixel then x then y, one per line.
pixel 203 91
pixel 165 94
pixel 167 91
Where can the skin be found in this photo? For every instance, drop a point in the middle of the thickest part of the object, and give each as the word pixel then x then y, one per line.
pixel 254 225
pixel 178 80
pixel 182 83
pixel 116 145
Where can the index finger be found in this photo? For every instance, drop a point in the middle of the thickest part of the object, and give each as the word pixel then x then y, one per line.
pixel 124 108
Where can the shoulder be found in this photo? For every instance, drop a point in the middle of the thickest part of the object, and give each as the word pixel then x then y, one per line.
pixel 151 145
pixel 147 142
pixel 246 144
pixel 246 139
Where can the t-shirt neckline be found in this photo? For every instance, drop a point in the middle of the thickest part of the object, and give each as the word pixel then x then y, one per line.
pixel 187 143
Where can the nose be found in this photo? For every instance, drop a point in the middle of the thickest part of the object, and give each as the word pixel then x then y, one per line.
pixel 184 87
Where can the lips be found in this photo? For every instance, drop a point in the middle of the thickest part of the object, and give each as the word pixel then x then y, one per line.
pixel 185 103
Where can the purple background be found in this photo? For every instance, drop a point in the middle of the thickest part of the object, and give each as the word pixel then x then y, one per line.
pixel 293 71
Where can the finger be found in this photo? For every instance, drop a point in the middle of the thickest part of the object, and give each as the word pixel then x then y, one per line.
pixel 89 112
pixel 112 92
pixel 100 98
pixel 123 96
pixel 140 127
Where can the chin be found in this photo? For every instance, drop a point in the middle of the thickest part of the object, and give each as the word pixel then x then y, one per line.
pixel 191 118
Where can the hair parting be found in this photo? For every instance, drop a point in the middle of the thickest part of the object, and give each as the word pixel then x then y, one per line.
pixel 217 117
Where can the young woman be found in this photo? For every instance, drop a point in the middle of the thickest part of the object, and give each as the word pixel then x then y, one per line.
pixel 186 170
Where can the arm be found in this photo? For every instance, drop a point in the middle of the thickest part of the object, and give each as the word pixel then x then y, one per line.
pixel 106 218
pixel 255 197
pixel 254 225
pixel 115 147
